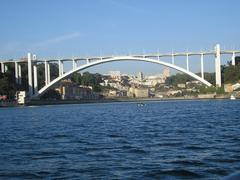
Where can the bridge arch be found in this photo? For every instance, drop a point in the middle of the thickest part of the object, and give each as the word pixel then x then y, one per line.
pixel 120 58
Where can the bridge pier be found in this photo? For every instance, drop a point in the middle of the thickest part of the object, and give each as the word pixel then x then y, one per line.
pixel 46 72
pixel 30 85
pixel 187 62
pixel 218 65
pixel 60 68
pixel 19 74
pixel 16 73
pixel 2 67
pixel 202 66
pixel 233 59
pixel 74 62
pixel 35 79
pixel 173 60
pixel 5 68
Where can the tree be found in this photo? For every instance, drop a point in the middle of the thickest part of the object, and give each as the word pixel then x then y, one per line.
pixel 231 74
pixel 76 78
pixel 178 79
pixel 51 94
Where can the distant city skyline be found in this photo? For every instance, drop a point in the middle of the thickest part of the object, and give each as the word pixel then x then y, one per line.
pixel 60 28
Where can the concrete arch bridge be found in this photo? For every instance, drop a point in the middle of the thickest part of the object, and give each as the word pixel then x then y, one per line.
pixel 32 62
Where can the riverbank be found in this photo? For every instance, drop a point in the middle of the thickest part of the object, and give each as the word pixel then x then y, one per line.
pixel 111 100
pixel 8 103
pixel 107 100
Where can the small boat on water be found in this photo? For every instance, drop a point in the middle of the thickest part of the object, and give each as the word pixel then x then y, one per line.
pixel 232 97
pixel 140 104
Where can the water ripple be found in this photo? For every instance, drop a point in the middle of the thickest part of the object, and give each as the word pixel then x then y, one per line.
pixel 162 140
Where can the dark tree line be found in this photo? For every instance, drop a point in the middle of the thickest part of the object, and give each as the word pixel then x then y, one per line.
pixel 88 79
pixel 183 78
pixel 231 74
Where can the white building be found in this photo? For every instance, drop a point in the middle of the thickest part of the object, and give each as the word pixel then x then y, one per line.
pixel 166 72
pixel 21 96
pixel 115 75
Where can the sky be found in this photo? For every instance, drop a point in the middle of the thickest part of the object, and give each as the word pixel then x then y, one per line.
pixel 67 28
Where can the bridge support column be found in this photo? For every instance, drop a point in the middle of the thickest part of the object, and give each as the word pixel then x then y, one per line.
pixel 202 66
pixel 173 60
pixel 233 59
pixel 5 68
pixel 2 68
pixel 74 64
pixel 218 65
pixel 60 68
pixel 46 72
pixel 35 79
pixel 19 74
pixel 187 62
pixel 30 85
pixel 16 73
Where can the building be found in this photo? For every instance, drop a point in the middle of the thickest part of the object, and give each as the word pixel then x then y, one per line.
pixel 115 75
pixel 228 88
pixel 138 92
pixel 140 76
pixel 231 87
pixel 151 81
pixel 112 93
pixel 174 92
pixel 69 90
pixel 181 85
pixel 166 72
pixel 21 97
pixel 141 93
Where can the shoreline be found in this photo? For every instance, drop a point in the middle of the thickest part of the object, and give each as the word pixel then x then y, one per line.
pixel 108 100
pixel 113 100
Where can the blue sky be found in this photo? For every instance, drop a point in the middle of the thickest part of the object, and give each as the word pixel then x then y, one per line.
pixel 55 28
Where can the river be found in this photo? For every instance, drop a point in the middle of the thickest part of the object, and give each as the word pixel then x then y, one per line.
pixel 197 139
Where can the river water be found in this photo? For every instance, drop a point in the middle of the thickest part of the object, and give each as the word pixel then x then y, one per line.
pixel 159 140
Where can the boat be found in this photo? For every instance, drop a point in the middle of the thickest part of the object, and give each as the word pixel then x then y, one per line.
pixel 140 104
pixel 232 97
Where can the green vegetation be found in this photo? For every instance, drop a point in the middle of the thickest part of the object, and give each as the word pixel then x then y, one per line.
pixel 51 94
pixel 231 74
pixel 212 89
pixel 183 78
pixel 88 79
pixel 9 87
pixel 8 84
